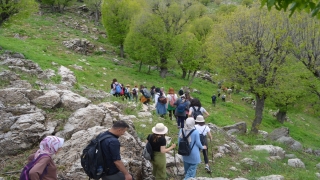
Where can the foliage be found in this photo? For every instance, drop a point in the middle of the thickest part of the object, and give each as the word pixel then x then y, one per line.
pixel 58 5
pixel 16 9
pixel 95 6
pixel 116 18
pixel 293 5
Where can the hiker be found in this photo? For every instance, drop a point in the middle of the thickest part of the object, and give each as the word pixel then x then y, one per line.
pixel 214 99
pixel 191 162
pixel 171 99
pixel 160 106
pixel 158 143
pixel 188 99
pixel 223 98
pixel 117 88
pixel 180 112
pixel 45 167
pixel 134 92
pixel 110 148
pixel 181 92
pixel 203 130
pixel 153 92
pixel 127 91
pixel 196 109
pixel 145 95
pixel 229 91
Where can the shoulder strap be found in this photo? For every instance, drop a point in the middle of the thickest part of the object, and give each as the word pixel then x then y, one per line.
pixel 192 145
pixel 204 129
pixel 194 109
pixel 199 108
pixel 190 133
pixel 104 137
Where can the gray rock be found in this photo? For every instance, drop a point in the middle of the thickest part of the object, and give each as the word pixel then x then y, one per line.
pixel 13 96
pixel 67 76
pixel 316 152
pixel 271 177
pixel 18 55
pixel 73 101
pixel 7 75
pixel 23 84
pixel 241 127
pixel 49 100
pixel 318 165
pixel 273 150
pixel 318 175
pixel 277 133
pixel 144 114
pixel 296 163
pixel 249 162
pixel 47 74
pixel 293 144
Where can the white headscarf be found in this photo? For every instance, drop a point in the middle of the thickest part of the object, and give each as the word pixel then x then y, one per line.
pixel 188 127
pixel 49 145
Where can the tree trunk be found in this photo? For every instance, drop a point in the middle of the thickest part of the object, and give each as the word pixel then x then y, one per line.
pixel 189 74
pixel 192 78
pixel 149 70
pixel 140 66
pixel 96 20
pixel 184 74
pixel 121 51
pixel 163 67
pixel 281 115
pixel 258 114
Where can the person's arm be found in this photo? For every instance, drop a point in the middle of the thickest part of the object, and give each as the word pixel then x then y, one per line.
pixel 163 149
pixel 210 136
pixel 205 114
pixel 37 170
pixel 198 142
pixel 190 111
pixel 123 169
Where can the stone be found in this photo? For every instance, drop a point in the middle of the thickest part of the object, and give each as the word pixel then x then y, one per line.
pixel 318 175
pixel 13 96
pixel 67 76
pixel 7 75
pixel 73 101
pixel 47 74
pixel 293 144
pixel 241 127
pixel 279 132
pixel 49 100
pixel 249 162
pixel 297 163
pixel 272 150
pixel 272 177
pixel 144 114
pixel 24 84
pixel 318 166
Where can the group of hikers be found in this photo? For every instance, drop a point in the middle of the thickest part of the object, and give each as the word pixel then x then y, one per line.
pixel 190 118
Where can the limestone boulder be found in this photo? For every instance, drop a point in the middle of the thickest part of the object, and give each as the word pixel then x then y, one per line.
pixel 272 177
pixel 273 150
pixel 279 132
pixel 13 96
pixel 67 76
pixel 240 127
pixel 49 100
pixel 73 101
pixel 47 74
pixel 293 144
pixel 297 163
pixel 83 119
pixel 6 121
pixel 7 75
pixel 20 84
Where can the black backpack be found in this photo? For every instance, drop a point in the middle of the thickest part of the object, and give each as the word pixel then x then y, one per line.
pixel 203 137
pixel 196 113
pixel 184 147
pixel 92 159
pixel 147 151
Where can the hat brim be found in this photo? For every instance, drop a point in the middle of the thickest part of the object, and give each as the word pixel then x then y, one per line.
pixel 200 120
pixel 160 132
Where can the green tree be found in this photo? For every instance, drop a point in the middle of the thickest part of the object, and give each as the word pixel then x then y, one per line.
pixel 293 5
pixel 250 45
pixel 116 18
pixel 14 10
pixel 58 5
pixel 172 17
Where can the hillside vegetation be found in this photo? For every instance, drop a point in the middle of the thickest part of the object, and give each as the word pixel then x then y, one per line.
pixel 40 39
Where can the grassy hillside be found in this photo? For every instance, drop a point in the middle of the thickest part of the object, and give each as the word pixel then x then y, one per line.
pixel 41 41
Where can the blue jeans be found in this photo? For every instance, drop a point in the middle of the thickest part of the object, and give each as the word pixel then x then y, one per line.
pixel 190 170
pixel 181 121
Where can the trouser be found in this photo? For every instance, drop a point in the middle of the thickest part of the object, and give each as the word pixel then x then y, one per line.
pixel 159 170
pixel 181 121
pixel 118 176
pixel 205 151
pixel 135 97
pixel 171 112
pixel 190 170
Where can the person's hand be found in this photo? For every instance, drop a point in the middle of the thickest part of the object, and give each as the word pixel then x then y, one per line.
pixel 204 147
pixel 128 177
pixel 173 146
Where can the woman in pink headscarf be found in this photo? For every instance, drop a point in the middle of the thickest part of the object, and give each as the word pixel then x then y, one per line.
pixel 45 169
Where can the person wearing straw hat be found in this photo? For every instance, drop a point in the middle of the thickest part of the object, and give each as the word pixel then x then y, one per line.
pixel 158 143
pixel 191 162
pixel 171 99
pixel 203 130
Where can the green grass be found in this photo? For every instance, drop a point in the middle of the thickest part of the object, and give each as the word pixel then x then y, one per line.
pixel 43 45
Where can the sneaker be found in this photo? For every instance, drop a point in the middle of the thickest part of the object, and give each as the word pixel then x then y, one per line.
pixel 207 168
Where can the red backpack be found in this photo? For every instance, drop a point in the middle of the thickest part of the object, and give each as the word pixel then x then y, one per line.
pixel 172 101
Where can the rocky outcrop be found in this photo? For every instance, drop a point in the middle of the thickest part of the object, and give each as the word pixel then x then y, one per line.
pixel 272 150
pixel 83 46
pixel 240 127
pixel 282 135
pixel 72 100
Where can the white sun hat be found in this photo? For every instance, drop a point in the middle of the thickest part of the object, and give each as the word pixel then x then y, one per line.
pixel 160 128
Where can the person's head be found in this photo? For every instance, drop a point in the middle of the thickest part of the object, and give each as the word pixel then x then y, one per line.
pixel 162 89
pixel 159 130
pixel 171 91
pixel 157 90
pixel 189 123
pixel 119 128
pixel 114 80
pixel 50 145
pixel 128 85
pixel 200 120
pixel 195 102
pixel 152 87
pixel 141 86
pixel 135 86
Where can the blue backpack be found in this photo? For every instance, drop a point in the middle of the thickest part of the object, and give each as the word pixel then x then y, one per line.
pixel 25 172
pixel 118 88
pixel 182 107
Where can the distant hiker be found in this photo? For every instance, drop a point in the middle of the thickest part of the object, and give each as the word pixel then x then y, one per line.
pixel 181 92
pixel 203 130
pixel 127 92
pixel 219 85
pixel 223 98
pixel 145 95
pixel 161 103
pixel 153 92
pixel 117 88
pixel 158 143
pixel 214 99
pixel 171 99
pixel 229 91
pixel 180 112
pixel 110 148
pixel 43 165
pixel 134 92
pixel 188 99
pixel 191 161
pixel 196 109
